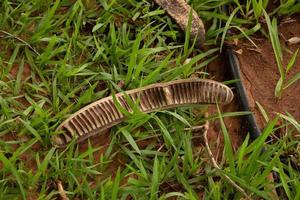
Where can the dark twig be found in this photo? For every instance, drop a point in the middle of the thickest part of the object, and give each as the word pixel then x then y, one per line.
pixel 21 40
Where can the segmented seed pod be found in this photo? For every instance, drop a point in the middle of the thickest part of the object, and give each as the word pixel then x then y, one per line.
pixel 103 114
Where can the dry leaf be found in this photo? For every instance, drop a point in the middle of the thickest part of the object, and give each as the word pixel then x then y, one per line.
pixel 293 40
pixel 240 51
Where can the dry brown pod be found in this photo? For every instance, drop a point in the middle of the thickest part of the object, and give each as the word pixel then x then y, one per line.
pixel 103 114
pixel 179 10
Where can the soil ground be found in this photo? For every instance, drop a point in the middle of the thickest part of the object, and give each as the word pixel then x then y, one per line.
pixel 260 73
pixel 219 71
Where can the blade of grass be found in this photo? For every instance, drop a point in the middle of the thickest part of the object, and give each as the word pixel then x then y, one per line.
pixel 291 81
pixel 227 26
pixel 228 148
pixel 169 140
pixel 7 164
pixel 116 186
pixel 155 179
pixel 130 139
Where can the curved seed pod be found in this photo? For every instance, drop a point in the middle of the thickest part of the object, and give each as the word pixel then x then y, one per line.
pixel 179 10
pixel 103 114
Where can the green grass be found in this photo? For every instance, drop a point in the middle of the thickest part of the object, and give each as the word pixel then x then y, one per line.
pixel 282 83
pixel 78 52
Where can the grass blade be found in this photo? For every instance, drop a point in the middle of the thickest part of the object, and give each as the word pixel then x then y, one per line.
pixel 228 148
pixel 7 164
pixel 116 186
pixel 292 80
pixel 155 179
pixel 227 26
pixel 130 139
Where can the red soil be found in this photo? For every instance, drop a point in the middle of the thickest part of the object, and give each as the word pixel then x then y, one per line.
pixel 260 74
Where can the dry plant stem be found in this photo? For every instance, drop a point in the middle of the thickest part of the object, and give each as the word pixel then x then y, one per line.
pixel 271 186
pixel 61 191
pixel 192 129
pixel 215 164
pixel 179 10
pixel 19 39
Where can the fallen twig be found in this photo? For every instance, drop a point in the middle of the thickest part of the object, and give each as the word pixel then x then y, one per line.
pixel 21 40
pixel 215 164
pixel 61 191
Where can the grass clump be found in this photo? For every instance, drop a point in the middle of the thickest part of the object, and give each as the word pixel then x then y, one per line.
pixel 282 82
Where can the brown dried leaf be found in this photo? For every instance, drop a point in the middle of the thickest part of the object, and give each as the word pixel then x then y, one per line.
pixel 239 51
pixel 293 40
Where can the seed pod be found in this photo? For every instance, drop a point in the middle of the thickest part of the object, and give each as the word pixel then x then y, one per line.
pixel 103 114
pixel 179 10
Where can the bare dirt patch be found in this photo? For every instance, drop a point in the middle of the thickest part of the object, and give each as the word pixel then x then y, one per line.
pixel 25 73
pixel 260 74
pixel 219 71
